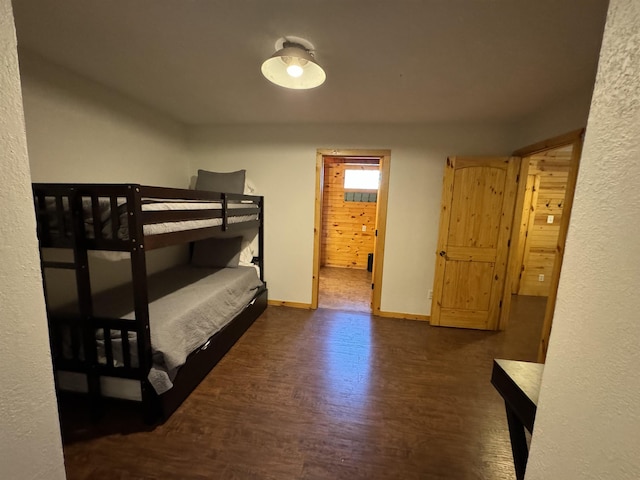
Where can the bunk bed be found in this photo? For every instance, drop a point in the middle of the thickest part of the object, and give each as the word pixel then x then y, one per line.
pixel 123 345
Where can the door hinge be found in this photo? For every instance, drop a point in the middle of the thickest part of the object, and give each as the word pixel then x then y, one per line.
pixel 500 303
pixel 372 286
pixel 376 232
pixel 518 178
pixel 509 243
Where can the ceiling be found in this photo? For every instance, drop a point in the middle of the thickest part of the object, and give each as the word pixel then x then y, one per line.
pixel 400 61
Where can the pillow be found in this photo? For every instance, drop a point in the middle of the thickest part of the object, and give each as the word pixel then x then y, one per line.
pixel 217 252
pixel 249 187
pixel 230 182
pixel 246 256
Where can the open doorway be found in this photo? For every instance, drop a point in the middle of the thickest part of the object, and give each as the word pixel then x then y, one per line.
pixel 548 177
pixel 502 232
pixel 349 204
pixel 546 180
pixel 351 200
pixel 543 206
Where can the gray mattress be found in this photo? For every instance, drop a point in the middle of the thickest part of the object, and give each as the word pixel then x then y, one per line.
pixel 187 305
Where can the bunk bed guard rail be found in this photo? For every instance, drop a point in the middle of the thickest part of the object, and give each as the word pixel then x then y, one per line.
pixel 124 217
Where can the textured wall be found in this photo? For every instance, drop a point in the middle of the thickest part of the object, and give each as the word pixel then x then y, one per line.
pixel 588 420
pixel 30 446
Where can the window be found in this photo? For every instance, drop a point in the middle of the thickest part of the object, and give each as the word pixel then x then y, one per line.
pixel 362 179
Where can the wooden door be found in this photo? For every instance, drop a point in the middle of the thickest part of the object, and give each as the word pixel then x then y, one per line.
pixel 476 217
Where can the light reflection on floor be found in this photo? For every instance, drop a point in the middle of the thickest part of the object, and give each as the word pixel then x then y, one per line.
pixel 348 358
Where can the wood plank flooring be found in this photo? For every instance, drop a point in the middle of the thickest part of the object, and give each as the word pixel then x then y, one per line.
pixel 346 289
pixel 324 394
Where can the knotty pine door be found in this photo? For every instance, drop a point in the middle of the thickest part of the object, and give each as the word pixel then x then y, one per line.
pixel 476 216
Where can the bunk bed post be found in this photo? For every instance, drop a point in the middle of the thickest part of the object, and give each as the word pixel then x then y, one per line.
pixel 225 203
pixel 85 300
pixel 261 239
pixel 42 228
pixel 140 298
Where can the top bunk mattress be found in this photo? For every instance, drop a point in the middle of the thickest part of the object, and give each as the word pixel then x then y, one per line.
pixel 132 217
pixel 114 225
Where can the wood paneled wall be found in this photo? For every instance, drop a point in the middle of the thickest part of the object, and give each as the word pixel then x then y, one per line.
pixel 548 175
pixel 344 243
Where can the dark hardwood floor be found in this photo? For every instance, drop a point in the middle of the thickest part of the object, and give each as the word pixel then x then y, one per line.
pixel 346 289
pixel 324 394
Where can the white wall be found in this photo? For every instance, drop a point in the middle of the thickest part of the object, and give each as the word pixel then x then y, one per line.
pixel 280 160
pixel 564 115
pixel 588 420
pixel 80 131
pixel 30 445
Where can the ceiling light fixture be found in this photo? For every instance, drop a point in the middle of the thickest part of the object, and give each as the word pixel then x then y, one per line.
pixel 294 65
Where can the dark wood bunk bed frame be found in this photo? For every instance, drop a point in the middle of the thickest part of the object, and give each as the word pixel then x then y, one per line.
pixel 82 328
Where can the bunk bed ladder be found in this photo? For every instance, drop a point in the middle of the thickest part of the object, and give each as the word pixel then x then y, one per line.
pixel 85 300
pixel 80 265
pixel 141 299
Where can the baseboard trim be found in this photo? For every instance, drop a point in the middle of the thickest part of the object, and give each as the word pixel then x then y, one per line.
pixel 405 316
pixel 284 303
pixel 307 306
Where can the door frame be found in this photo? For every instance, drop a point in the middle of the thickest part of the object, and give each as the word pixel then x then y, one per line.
pixel 528 199
pixel 381 219
pixel 574 138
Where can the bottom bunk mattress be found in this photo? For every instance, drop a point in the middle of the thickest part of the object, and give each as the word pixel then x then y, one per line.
pixel 187 306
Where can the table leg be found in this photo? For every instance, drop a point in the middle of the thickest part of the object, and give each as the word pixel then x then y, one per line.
pixel 518 442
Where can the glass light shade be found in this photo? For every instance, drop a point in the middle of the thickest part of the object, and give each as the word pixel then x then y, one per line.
pixel 276 69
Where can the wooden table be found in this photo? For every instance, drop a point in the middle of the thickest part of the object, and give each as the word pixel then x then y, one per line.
pixel 519 385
